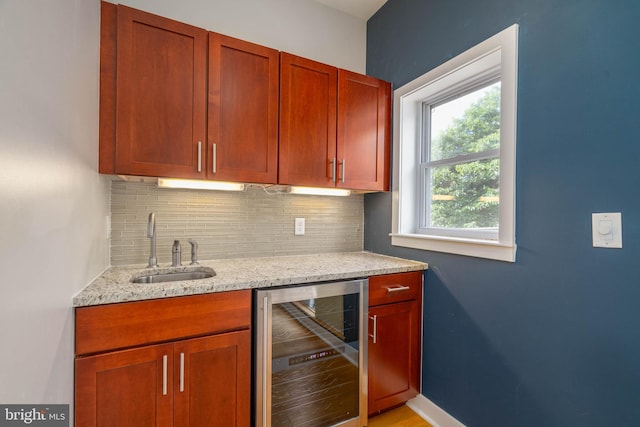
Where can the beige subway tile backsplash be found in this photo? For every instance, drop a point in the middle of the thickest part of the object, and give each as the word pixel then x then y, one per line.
pixel 229 224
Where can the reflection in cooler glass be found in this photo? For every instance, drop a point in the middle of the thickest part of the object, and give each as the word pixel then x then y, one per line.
pixel 315 361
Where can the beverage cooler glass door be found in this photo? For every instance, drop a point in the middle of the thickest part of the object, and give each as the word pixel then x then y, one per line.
pixel 311 355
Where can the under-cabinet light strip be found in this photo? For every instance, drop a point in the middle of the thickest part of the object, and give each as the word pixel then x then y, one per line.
pixel 199 185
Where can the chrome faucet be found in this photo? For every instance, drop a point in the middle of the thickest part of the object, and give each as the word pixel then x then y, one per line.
pixel 151 234
pixel 194 252
pixel 176 256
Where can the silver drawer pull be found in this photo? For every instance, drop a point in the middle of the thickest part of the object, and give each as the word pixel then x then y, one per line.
pixel 374 336
pixel 333 169
pixel 181 372
pixel 199 156
pixel 399 288
pixel 214 167
pixel 164 375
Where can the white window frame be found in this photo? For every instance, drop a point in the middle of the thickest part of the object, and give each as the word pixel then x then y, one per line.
pixel 498 54
pixel 490 65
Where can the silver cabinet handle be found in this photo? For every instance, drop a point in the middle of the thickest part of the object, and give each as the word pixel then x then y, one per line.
pixel 164 374
pixel 181 372
pixel 199 156
pixel 342 171
pixel 399 288
pixel 214 167
pixel 333 169
pixel 374 336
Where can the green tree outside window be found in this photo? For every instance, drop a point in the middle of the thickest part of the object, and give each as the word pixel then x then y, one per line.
pixel 466 195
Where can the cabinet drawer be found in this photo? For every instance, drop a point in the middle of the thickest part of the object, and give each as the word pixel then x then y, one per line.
pixel 115 326
pixel 392 288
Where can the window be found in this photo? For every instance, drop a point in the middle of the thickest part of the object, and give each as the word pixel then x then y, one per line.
pixel 454 154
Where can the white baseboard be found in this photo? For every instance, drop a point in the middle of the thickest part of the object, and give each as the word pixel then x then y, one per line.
pixel 432 413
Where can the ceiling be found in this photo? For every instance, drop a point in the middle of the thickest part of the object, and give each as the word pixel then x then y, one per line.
pixel 362 9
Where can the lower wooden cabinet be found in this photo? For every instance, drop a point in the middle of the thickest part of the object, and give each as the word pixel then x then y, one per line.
pixel 124 388
pixel 214 380
pixel 395 317
pixel 184 382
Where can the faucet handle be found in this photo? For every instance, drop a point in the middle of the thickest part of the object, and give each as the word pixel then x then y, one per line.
pixel 151 234
pixel 151 225
pixel 176 255
pixel 194 252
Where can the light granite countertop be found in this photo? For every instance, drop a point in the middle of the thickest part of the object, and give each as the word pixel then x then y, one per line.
pixel 114 285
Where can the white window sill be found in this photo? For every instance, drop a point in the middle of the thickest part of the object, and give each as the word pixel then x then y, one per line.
pixel 468 247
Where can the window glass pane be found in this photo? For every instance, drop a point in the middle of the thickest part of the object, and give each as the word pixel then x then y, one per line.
pixel 467 124
pixel 464 195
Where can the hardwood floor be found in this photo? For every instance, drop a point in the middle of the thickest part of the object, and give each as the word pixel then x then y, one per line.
pixel 399 417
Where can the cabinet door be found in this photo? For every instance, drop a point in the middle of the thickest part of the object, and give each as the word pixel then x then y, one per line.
pixel 243 111
pixel 213 380
pixel 161 96
pixel 308 106
pixel 394 357
pixel 364 123
pixel 130 388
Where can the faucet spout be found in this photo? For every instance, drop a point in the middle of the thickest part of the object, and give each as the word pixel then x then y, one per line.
pixel 151 234
pixel 194 252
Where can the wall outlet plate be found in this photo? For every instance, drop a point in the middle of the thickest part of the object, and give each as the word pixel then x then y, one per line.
pixel 298 229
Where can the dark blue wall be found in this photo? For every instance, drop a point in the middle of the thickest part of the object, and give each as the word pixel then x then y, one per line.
pixel 553 339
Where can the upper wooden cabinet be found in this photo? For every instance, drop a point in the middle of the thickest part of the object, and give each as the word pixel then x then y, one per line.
pixel 364 120
pixel 178 101
pixel 153 94
pixel 243 111
pixel 334 126
pixel 154 116
pixel 308 106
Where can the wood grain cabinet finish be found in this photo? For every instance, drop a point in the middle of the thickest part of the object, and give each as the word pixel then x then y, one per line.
pixel 243 111
pixel 395 316
pixel 124 388
pixel 216 381
pixel 178 101
pixel 154 85
pixel 334 127
pixel 308 115
pixel 364 121
pixel 179 382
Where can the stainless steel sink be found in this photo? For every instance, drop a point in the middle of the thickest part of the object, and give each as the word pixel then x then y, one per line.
pixel 175 276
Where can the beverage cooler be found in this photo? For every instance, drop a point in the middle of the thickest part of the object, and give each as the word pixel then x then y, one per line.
pixel 311 355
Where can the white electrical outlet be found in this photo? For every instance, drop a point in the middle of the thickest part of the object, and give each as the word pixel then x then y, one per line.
pixel 298 229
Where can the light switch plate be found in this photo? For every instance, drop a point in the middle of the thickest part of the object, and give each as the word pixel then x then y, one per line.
pixel 607 230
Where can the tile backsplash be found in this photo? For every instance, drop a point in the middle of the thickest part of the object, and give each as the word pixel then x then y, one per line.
pixel 229 224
